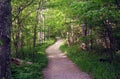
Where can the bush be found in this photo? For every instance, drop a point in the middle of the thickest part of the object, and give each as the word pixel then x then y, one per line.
pixel 33 71
pixel 90 63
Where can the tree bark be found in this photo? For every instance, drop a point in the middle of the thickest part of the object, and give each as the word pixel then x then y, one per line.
pixel 111 39
pixel 5 26
pixel 90 39
pixel 84 29
pixel 84 34
pixel 35 34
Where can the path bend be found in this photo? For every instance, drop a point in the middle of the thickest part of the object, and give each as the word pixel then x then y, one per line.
pixel 60 66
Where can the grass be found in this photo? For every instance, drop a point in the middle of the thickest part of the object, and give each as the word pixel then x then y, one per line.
pixel 89 62
pixel 33 71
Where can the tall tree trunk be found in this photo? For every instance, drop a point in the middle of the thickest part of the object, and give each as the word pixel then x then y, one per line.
pixel 5 26
pixel 34 42
pixel 34 38
pixel 17 37
pixel 111 39
pixel 16 43
pixel 35 35
pixel 44 29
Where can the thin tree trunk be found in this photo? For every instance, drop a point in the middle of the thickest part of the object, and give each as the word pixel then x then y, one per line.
pixel 17 44
pixel 111 39
pixel 48 33
pixel 17 37
pixel 91 39
pixel 84 34
pixel 34 42
pixel 35 36
pixel 22 47
pixel 84 29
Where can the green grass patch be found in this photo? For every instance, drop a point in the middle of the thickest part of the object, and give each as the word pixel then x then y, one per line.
pixel 89 62
pixel 33 71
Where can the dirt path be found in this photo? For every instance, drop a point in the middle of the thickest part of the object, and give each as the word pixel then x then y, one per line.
pixel 60 67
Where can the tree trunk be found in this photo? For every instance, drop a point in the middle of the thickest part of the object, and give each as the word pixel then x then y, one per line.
pixel 5 26
pixel 90 39
pixel 22 46
pixel 34 42
pixel 84 29
pixel 48 32
pixel 16 43
pixel 34 38
pixel 35 35
pixel 16 37
pixel 84 34
pixel 111 39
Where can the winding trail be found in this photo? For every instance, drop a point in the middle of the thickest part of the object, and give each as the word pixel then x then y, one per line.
pixel 60 66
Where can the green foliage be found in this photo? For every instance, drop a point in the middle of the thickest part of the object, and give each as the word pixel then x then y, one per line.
pixel 91 64
pixel 27 71
pixel 33 71
pixel 59 16
pixel 85 39
pixel 55 21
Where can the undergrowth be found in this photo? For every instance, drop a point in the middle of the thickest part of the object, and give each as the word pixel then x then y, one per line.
pixel 33 71
pixel 89 62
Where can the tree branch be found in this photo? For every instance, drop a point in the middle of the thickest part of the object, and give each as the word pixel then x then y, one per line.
pixel 21 8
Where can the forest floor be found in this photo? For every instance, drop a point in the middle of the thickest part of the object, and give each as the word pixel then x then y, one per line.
pixel 60 66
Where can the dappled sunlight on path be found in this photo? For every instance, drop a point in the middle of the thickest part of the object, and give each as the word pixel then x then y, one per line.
pixel 60 67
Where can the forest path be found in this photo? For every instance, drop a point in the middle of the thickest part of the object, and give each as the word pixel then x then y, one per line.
pixel 60 66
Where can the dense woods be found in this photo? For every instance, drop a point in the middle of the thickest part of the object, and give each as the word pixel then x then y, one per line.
pixel 90 28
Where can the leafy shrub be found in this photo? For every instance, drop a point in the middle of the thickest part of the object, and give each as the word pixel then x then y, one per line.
pixel 33 71
pixel 90 63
